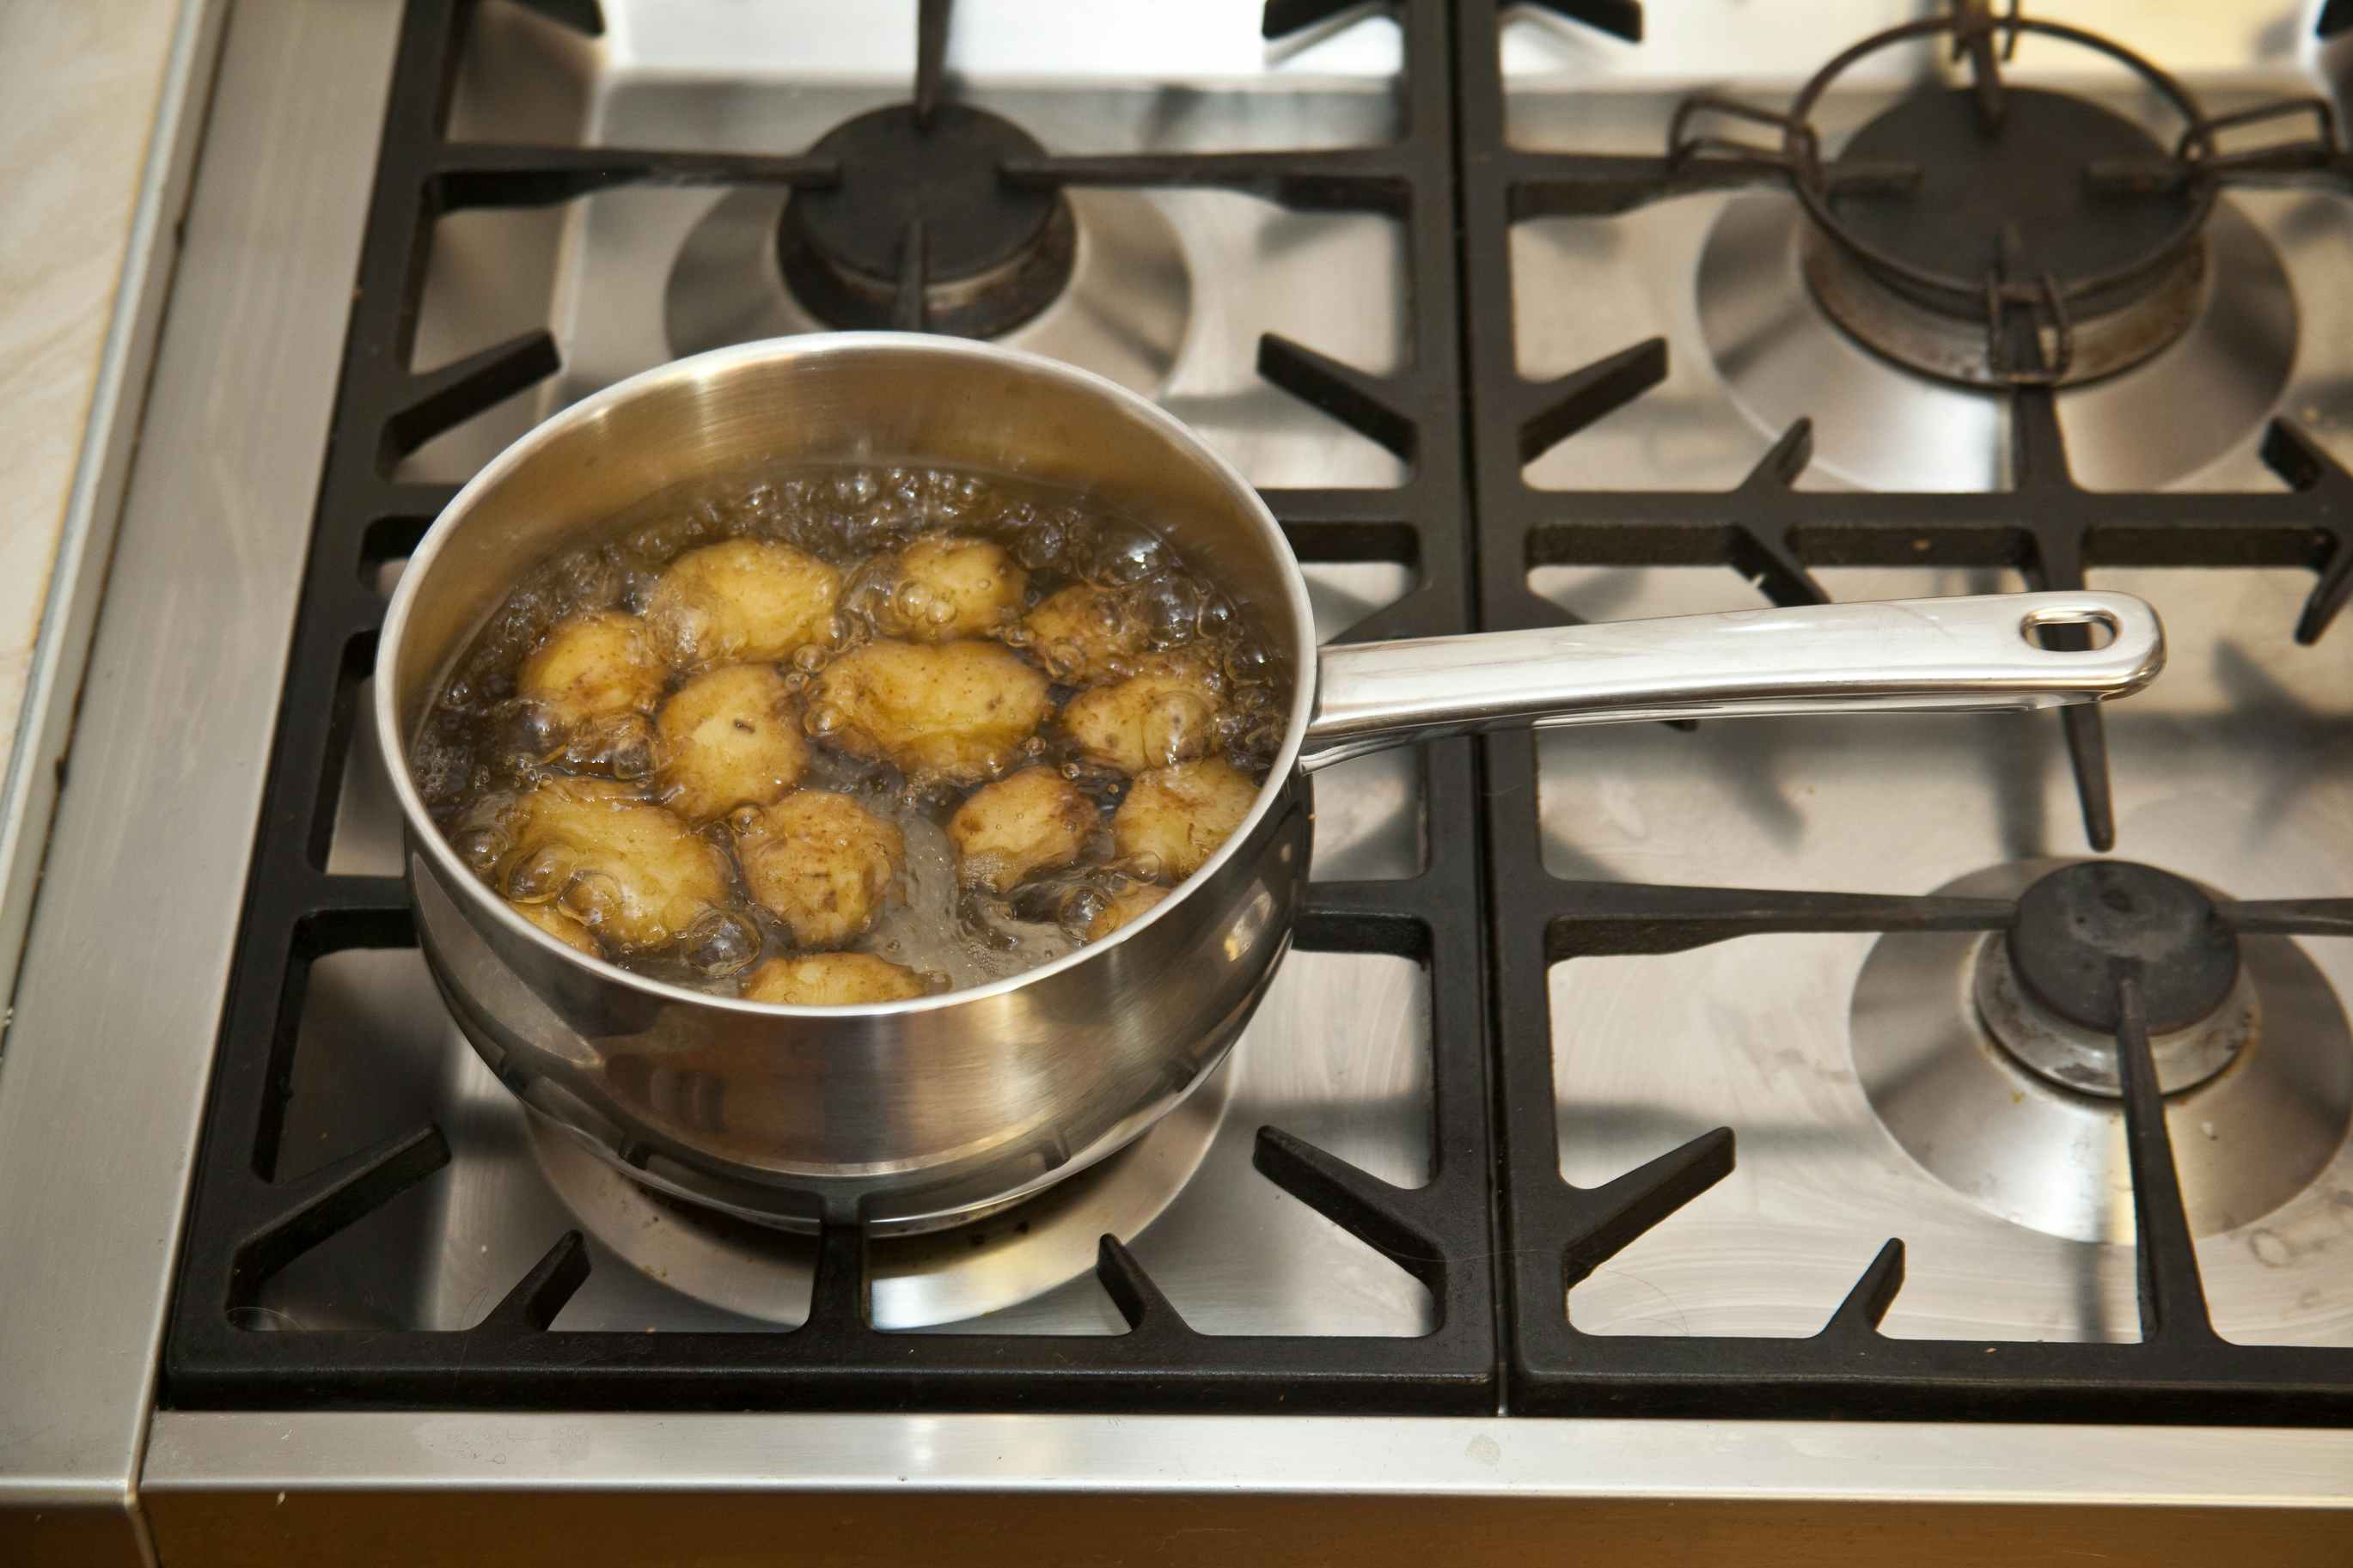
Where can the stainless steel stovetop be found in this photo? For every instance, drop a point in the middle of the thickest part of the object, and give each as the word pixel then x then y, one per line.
pixel 2236 770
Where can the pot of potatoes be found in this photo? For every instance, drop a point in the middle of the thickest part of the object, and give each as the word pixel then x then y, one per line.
pixel 863 778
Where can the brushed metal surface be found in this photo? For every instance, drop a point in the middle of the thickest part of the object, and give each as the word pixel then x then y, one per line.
pixel 1782 358
pixel 604 274
pixel 272 1488
pixel 1339 1054
pixel 927 1110
pixel 112 1037
pixel 1749 352
pixel 1123 314
pixel 2234 769
pixel 1412 1455
pixel 2246 1138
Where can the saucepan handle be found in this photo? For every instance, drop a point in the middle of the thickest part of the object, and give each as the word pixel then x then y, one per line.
pixel 1977 652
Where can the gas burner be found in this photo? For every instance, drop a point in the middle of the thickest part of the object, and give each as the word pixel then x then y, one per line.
pixel 1991 1058
pixel 1122 312
pixel 1978 234
pixel 2001 219
pixel 1880 424
pixel 2050 994
pixel 918 1278
pixel 919 210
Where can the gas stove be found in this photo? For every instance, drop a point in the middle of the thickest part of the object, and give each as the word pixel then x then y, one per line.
pixel 1786 1124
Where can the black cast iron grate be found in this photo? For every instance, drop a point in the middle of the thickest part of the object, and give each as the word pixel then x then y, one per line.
pixel 244 1227
pixel 2046 526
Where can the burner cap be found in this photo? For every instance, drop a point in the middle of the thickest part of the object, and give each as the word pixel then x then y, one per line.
pixel 2014 196
pixel 2080 925
pixel 996 253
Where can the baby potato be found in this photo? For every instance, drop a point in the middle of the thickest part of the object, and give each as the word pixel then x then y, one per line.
pixel 595 665
pixel 558 923
pixel 1180 815
pixel 730 736
pixel 749 600
pixel 1079 630
pixel 833 980
pixel 958 710
pixel 822 864
pixel 949 586
pixel 1139 897
pixel 1035 820
pixel 1163 713
pixel 628 871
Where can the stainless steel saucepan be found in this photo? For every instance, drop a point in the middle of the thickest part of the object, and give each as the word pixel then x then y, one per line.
pixel 925 1113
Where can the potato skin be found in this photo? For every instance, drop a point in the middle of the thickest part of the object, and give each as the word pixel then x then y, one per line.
pixel 1163 714
pixel 833 980
pixel 822 864
pixel 957 710
pixel 559 923
pixel 598 663
pixel 1138 897
pixel 1179 816
pixel 1035 820
pixel 950 586
pixel 731 736
pixel 1082 631
pixel 639 876
pixel 744 600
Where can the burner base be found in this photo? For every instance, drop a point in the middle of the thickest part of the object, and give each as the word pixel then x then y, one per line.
pixel 1123 314
pixel 2246 1139
pixel 919 1278
pixel 1880 424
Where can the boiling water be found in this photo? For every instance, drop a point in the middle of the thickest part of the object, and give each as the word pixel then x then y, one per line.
pixel 480 746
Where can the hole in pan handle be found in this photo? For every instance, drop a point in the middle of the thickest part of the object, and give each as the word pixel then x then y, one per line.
pixel 1963 654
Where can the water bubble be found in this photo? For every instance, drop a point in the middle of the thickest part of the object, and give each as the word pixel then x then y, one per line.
pixel 719 943
pixel 1247 661
pixel 745 819
pixel 809 658
pixel 1171 606
pixel 532 730
pixel 481 848
pixel 1065 660
pixel 857 486
pixel 592 898
pixel 1130 556
pixel 1216 618
pixel 1079 909
pixel 1038 542
pixel 541 875
pixel 824 719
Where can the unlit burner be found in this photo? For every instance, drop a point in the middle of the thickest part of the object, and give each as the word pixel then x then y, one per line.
pixel 920 210
pixel 1991 1058
pixel 2003 260
pixel 2048 989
